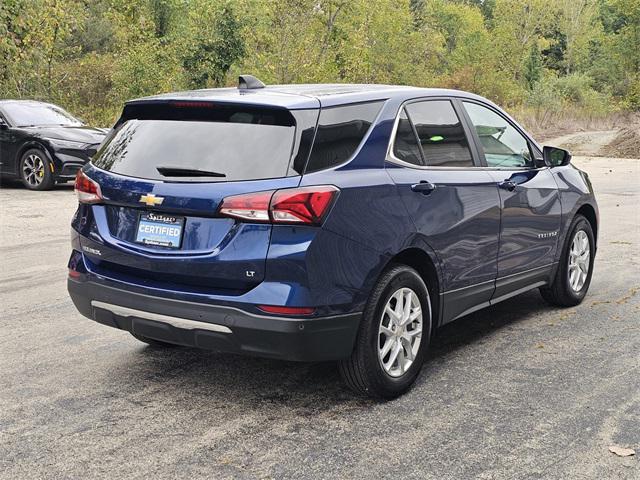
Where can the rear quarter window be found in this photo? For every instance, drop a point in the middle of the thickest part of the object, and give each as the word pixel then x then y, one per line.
pixel 405 145
pixel 340 132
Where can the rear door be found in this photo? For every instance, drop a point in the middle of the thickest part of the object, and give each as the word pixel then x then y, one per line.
pixel 454 204
pixel 163 173
pixel 529 200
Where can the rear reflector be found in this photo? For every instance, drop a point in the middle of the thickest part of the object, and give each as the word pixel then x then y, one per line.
pixel 305 205
pixel 86 189
pixel 74 274
pixel 287 310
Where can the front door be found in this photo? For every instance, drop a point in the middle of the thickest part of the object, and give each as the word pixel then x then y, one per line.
pixel 9 140
pixel 4 140
pixel 529 201
pixel 454 205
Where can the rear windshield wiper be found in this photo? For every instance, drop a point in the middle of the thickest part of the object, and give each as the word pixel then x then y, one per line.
pixel 187 172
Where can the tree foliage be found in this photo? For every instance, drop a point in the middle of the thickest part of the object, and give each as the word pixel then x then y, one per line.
pixel 533 66
pixel 213 44
pixel 92 55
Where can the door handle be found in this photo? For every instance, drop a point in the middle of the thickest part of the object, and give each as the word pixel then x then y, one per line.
pixel 507 185
pixel 423 187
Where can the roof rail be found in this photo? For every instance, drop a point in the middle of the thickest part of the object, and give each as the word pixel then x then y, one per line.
pixel 249 82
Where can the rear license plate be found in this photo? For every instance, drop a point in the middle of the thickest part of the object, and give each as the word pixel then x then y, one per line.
pixel 161 230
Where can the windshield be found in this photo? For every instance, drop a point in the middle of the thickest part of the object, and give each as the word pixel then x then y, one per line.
pixel 38 114
pixel 244 147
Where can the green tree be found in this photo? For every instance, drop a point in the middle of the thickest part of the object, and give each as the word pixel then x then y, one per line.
pixel 148 68
pixel 578 25
pixel 212 46
pixel 533 67
pixel 91 55
pixel 294 40
pixel 517 23
pixel 624 48
pixel 381 44
pixel 95 32
pixel 34 40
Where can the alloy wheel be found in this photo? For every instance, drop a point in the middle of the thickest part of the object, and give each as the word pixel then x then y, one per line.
pixel 33 170
pixel 400 332
pixel 579 256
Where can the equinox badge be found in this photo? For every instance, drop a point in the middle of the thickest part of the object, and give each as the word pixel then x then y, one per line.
pixel 150 199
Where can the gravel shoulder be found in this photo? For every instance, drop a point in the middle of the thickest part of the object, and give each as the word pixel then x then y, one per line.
pixel 618 143
pixel 519 390
pixel 590 143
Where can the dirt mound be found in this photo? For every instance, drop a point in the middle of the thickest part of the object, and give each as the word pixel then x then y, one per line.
pixel 626 144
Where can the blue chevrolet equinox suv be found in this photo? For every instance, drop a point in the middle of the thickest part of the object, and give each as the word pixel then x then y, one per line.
pixel 323 223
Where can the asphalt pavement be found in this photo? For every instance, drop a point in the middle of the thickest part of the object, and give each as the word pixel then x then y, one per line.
pixel 519 390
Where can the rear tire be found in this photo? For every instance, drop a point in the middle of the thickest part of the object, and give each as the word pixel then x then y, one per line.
pixel 152 342
pixel 371 369
pixel 571 282
pixel 35 170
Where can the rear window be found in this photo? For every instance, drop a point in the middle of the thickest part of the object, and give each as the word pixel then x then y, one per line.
pixel 441 135
pixel 340 131
pixel 200 144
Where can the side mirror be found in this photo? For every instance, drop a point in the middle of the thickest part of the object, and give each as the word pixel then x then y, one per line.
pixel 555 157
pixel 3 124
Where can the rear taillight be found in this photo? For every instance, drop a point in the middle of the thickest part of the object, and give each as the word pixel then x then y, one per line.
pixel 305 205
pixel 302 205
pixel 86 189
pixel 250 206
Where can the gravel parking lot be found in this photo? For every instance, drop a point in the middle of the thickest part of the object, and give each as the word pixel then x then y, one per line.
pixel 520 390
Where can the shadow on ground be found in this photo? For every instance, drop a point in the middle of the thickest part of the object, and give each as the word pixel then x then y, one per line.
pixel 306 388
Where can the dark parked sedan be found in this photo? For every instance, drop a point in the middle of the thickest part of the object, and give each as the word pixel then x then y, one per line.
pixel 41 144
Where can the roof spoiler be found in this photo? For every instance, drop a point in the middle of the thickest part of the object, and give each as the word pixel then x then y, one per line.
pixel 249 82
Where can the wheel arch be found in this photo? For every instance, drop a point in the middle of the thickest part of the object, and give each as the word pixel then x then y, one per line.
pixel 424 264
pixel 32 143
pixel 589 213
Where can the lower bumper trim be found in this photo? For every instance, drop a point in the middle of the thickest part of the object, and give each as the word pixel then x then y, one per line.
pixel 175 321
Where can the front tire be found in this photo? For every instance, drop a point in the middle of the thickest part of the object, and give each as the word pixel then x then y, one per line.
pixel 393 337
pixel 35 170
pixel 573 275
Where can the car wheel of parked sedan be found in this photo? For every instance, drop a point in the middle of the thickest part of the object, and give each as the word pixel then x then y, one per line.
pixel 393 337
pixel 152 342
pixel 35 170
pixel 573 275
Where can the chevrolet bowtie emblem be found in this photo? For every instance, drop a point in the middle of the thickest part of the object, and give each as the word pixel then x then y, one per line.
pixel 151 200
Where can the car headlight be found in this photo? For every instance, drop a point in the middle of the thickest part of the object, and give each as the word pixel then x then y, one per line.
pixel 67 144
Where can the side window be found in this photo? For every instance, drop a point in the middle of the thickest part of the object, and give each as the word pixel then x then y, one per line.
pixel 340 131
pixel 503 145
pixel 405 145
pixel 441 135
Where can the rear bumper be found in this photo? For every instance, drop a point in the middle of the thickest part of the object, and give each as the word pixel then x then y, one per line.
pixel 216 327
